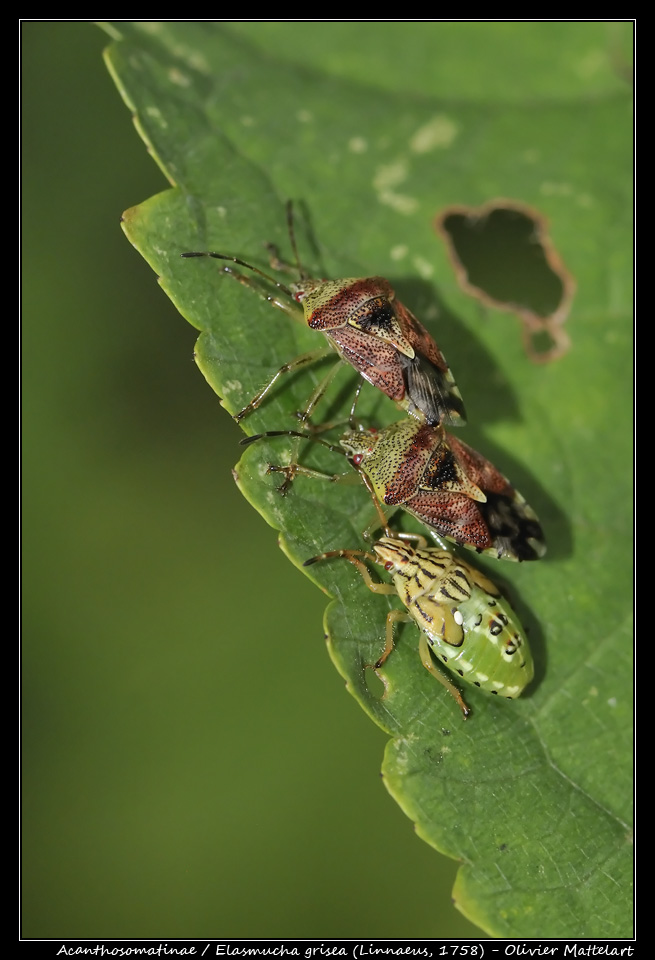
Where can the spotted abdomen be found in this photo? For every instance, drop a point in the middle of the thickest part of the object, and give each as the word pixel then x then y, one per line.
pixel 493 653
pixel 470 627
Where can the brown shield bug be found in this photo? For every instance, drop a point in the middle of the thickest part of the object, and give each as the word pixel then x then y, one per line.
pixel 443 482
pixel 447 485
pixel 370 329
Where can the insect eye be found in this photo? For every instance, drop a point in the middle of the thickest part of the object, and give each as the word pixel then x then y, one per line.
pixel 357 459
pixel 388 565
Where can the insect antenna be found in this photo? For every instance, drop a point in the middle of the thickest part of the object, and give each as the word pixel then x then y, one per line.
pixel 335 449
pixel 292 239
pixel 241 263
pixel 292 433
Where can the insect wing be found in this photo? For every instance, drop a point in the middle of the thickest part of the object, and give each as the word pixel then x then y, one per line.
pixel 449 486
pixel 430 384
pixel 360 315
pixel 454 516
pixel 513 526
pixel 374 359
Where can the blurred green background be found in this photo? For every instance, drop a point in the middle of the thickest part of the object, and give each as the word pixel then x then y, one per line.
pixel 148 810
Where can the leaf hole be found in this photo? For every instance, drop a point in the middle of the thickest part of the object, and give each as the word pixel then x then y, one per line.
pixel 503 256
pixel 375 685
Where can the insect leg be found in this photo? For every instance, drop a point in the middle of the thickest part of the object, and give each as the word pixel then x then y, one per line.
pixel 416 538
pixel 351 419
pixel 276 262
pixel 304 415
pixel 354 557
pixel 378 508
pixel 440 542
pixel 290 308
pixel 428 663
pixel 392 617
pixel 300 361
pixel 293 470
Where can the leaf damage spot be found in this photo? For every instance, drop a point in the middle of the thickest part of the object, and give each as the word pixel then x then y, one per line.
pixel 155 114
pixel 399 202
pixel 503 256
pixel 423 267
pixel 233 386
pixel 376 683
pixel 178 78
pixel 385 179
pixel 357 145
pixel 198 62
pixel 439 133
pixel 390 175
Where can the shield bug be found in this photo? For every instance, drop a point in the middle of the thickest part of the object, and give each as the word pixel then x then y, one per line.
pixel 370 329
pixel 463 618
pixel 443 482
pixel 448 486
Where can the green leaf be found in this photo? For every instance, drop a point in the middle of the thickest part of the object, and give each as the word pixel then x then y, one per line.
pixel 375 129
